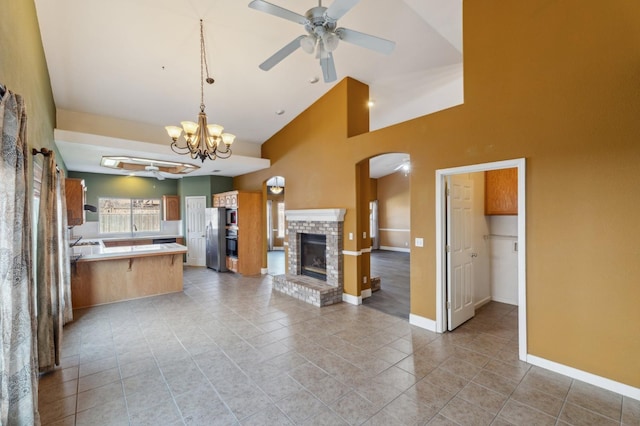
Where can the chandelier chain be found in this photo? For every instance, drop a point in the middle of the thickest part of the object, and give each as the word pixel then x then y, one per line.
pixel 204 66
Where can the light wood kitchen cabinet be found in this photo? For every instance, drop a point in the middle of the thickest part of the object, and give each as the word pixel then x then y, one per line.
pixel 170 207
pixel 249 228
pixel 501 192
pixel 232 263
pixel 226 199
pixel 75 195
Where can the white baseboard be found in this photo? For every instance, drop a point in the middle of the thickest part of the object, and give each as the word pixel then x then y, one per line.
pixel 401 249
pixel 422 322
pixel 507 301
pixel 366 293
pixel 354 300
pixel 586 377
pixel 482 302
pixel 264 271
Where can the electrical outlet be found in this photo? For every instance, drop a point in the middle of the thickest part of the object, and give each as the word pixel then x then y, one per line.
pixel 351 235
pixel 364 280
pixel 419 242
pixel 364 235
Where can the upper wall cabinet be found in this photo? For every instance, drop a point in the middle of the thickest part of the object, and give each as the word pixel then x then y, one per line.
pixel 227 199
pixel 75 194
pixel 501 192
pixel 171 207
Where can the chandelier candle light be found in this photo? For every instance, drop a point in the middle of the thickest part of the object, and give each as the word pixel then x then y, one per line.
pixel 201 140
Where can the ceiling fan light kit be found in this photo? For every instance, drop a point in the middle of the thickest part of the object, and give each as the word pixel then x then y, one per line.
pixel 323 36
pixel 201 140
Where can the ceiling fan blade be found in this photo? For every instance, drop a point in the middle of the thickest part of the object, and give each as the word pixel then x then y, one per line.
pixel 281 54
pixel 158 175
pixel 339 8
pixel 328 67
pixel 278 11
pixel 365 40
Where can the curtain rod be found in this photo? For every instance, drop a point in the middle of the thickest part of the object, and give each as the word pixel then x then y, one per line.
pixel 44 151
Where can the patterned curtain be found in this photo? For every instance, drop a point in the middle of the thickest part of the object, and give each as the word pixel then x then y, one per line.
pixel 50 297
pixel 18 362
pixel 63 249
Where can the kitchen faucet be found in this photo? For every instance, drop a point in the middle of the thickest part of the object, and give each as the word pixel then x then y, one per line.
pixel 76 241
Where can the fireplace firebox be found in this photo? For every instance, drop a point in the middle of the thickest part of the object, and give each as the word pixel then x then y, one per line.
pixel 313 256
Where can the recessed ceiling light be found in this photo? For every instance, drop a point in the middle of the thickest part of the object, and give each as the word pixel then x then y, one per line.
pixel 280 112
pixel 314 80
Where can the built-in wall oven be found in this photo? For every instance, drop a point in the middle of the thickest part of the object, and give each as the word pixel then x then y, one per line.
pixel 232 242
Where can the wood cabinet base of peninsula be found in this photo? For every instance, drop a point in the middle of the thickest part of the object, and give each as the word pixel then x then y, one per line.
pixel 114 280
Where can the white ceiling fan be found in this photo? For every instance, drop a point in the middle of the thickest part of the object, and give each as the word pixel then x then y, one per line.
pixel 323 35
pixel 154 170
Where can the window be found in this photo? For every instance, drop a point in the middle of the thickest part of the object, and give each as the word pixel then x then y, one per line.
pixel 128 215
pixel 280 220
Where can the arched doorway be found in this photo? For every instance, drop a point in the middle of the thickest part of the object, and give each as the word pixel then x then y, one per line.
pixel 389 228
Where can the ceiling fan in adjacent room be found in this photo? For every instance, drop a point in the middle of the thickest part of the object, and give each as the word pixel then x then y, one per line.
pixel 323 34
pixel 155 171
pixel 160 169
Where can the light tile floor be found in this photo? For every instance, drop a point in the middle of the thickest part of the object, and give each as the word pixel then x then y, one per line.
pixel 228 351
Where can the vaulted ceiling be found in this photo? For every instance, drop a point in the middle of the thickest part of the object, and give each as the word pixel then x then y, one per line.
pixel 138 61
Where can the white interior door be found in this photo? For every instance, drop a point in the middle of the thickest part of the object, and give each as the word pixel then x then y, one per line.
pixel 195 224
pixel 460 304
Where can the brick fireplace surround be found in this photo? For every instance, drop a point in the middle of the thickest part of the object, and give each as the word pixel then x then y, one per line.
pixel 327 222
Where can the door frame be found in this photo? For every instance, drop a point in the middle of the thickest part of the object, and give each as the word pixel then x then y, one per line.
pixel 441 258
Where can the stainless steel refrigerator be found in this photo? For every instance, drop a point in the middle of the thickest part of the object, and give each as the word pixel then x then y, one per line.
pixel 215 233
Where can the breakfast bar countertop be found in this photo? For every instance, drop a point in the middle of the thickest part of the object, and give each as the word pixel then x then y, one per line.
pixel 96 252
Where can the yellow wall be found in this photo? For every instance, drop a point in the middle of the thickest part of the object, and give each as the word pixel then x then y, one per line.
pixel 23 70
pixel 394 216
pixel 555 82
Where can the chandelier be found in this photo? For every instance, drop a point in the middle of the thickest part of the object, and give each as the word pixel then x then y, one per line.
pixel 276 189
pixel 201 140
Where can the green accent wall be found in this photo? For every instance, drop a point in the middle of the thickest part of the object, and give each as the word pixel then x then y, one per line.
pixel 23 70
pixel 220 184
pixel 102 185
pixel 203 185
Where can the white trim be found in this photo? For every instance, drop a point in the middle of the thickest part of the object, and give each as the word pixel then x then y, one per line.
pixel 586 377
pixel 394 230
pixel 366 250
pixel 354 300
pixel 351 253
pixel 422 322
pixel 316 215
pixel 264 271
pixel 481 303
pixel 506 301
pixel 366 293
pixel 441 283
pixel 286 243
pixel 402 249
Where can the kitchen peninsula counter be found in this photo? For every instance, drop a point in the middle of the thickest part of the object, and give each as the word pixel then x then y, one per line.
pixel 102 274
